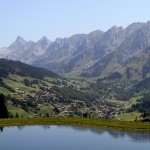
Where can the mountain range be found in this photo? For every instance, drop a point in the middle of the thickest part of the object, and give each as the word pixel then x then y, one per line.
pixel 97 54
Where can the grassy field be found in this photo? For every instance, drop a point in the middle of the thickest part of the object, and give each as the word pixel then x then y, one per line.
pixel 132 101
pixel 19 78
pixel 49 79
pixel 4 91
pixel 129 116
pixel 98 123
pixel 15 82
pixel 45 109
pixel 13 110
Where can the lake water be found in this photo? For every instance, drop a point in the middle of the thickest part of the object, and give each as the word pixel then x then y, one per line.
pixel 71 138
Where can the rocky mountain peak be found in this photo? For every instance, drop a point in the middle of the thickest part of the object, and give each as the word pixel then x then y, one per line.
pixel 148 23
pixel 44 39
pixel 19 42
pixel 115 29
pixel 95 34
pixel 133 28
pixel 20 39
pixel 43 43
pixel 112 38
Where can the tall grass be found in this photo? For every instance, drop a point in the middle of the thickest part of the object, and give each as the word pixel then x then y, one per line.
pixel 98 123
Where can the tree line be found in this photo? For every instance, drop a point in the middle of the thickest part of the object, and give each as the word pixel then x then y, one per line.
pixel 3 108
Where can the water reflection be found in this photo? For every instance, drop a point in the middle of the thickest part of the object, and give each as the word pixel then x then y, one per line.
pixel 1 129
pixel 136 136
pixel 46 127
pixel 20 127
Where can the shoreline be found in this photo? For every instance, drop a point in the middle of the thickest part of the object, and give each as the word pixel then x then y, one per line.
pixel 87 122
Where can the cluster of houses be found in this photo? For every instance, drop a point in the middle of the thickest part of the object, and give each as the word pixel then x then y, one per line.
pixel 60 106
pixel 70 107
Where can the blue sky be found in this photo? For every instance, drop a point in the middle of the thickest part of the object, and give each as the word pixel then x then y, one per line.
pixel 33 19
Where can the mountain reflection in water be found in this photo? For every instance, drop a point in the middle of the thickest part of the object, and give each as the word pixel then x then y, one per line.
pixel 136 136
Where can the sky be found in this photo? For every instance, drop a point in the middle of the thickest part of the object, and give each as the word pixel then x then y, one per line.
pixel 33 19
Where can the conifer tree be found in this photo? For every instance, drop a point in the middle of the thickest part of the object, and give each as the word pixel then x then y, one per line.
pixel 3 108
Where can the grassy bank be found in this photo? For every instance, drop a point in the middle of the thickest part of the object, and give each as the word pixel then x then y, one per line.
pixel 98 123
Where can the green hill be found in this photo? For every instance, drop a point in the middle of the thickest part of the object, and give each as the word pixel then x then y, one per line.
pixel 22 69
pixel 20 82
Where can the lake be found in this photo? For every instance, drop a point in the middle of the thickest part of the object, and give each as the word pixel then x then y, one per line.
pixel 70 138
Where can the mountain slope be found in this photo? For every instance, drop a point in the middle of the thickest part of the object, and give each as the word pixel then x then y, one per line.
pixel 138 67
pixel 80 51
pixel 131 47
pixel 19 68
